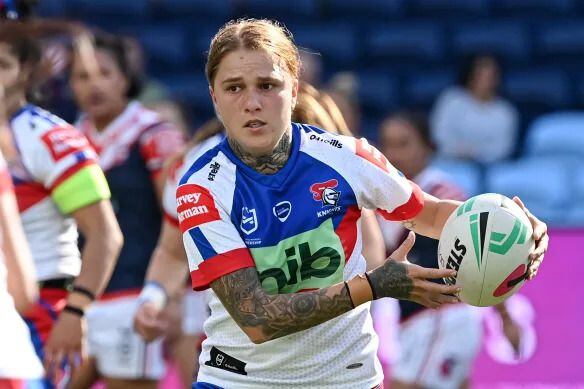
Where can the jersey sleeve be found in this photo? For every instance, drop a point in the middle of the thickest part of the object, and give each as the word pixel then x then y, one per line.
pixel 157 144
pixel 67 166
pixel 382 187
pixel 213 245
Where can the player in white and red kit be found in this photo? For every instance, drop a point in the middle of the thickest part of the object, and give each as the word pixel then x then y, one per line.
pixel 59 187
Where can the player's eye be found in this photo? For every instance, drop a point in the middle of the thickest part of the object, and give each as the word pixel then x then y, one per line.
pixel 266 86
pixel 233 88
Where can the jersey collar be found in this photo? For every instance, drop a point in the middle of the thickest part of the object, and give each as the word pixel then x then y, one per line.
pixel 276 180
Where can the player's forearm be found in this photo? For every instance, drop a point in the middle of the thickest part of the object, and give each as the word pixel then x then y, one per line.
pixel 431 220
pixel 264 317
pixel 103 243
pixel 168 269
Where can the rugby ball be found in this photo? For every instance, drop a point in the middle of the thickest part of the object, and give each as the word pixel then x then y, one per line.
pixel 487 240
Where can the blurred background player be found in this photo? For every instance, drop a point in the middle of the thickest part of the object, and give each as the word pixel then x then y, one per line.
pixel 132 143
pixel 436 347
pixel 59 187
pixel 19 364
pixel 471 120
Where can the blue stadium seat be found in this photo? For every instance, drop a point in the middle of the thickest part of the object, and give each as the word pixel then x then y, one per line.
pixel 542 184
pixel 542 89
pixel 52 8
pixel 164 46
pixel 94 10
pixel 280 10
pixel 533 7
pixel 448 7
pixel 507 40
pixel 377 92
pixel 411 42
pixel 466 174
pixel 364 10
pixel 561 39
pixel 214 9
pixel 421 89
pixel 577 204
pixel 336 43
pixel 192 91
pixel 557 135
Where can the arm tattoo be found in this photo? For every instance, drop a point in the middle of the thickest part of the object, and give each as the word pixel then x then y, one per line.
pixel 276 315
pixel 409 224
pixel 391 280
pixel 265 164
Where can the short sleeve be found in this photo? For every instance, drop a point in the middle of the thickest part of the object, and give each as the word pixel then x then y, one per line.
pixel 382 187
pixel 158 143
pixel 213 245
pixel 67 166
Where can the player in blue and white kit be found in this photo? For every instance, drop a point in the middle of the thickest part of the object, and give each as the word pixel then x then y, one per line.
pixel 270 222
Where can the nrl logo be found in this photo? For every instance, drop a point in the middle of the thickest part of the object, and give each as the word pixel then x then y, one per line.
pixel 249 220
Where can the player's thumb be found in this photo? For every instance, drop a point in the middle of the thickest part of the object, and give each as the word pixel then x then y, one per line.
pixel 401 253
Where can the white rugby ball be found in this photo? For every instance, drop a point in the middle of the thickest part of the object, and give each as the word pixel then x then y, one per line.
pixel 487 240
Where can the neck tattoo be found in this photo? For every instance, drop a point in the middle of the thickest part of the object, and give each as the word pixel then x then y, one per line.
pixel 265 164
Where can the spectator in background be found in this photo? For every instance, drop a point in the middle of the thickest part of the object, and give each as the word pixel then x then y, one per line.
pixel 436 347
pixel 470 120
pixel 343 89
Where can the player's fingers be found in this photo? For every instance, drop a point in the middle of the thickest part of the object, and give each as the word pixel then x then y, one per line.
pixel 401 253
pixel 430 273
pixel 446 299
pixel 72 358
pixel 540 248
pixel 520 203
pixel 437 289
pixel 53 359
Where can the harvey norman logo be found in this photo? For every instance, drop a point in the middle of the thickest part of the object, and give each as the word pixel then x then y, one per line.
pixel 195 206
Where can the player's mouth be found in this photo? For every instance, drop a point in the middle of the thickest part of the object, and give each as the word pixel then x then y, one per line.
pixel 255 124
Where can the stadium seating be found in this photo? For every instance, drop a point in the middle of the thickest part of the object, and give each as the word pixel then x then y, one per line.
pixel 540 182
pixel 193 9
pixel 468 175
pixel 165 47
pixel 192 92
pixel 533 7
pixel 508 40
pixel 336 42
pixel 364 10
pixel 538 89
pixel 575 216
pixel 297 10
pixel 561 39
pixel 422 88
pixel 378 93
pixel 448 7
pixel 114 10
pixel 557 135
pixel 411 42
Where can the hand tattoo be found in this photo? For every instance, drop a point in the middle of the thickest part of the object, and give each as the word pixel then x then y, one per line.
pixel 265 164
pixel 391 280
pixel 276 315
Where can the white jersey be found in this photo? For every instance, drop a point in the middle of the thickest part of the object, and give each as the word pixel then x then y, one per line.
pixel 55 173
pixel 300 229
pixel 18 359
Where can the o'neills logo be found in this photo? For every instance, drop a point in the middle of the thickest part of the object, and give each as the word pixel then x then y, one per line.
pixel 333 142
pixel 195 206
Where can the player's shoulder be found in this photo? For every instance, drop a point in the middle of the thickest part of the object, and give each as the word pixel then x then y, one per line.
pixel 315 140
pixel 34 122
pixel 211 169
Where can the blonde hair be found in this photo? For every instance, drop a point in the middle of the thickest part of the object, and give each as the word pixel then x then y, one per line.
pixel 253 34
pixel 317 108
